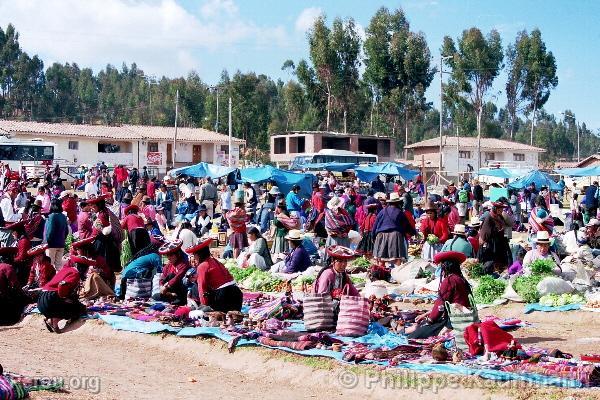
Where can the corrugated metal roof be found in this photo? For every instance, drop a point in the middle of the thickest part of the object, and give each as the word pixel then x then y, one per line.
pixel 123 132
pixel 471 142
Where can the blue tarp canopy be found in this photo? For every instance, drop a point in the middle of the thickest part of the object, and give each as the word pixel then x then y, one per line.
pixel 539 178
pixel 370 173
pixel 202 170
pixel 330 166
pixel 283 179
pixel 593 170
pixel 503 173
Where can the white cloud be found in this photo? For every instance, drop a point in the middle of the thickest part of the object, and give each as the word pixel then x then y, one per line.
pixel 307 18
pixel 159 35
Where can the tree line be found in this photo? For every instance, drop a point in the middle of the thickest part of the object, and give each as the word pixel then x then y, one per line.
pixel 375 86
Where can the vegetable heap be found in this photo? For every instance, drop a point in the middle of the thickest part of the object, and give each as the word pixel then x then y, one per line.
pixel 361 262
pixel 240 274
pixel 357 280
pixel 557 300
pixel 261 281
pixel 473 268
pixel 302 280
pixel 526 287
pixel 489 289
pixel 68 241
pixel 432 239
pixel 542 267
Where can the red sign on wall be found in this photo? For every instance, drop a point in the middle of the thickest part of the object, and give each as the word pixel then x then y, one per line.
pixel 154 158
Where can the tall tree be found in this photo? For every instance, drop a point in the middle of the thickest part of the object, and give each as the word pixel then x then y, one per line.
pixel 516 62
pixel 475 63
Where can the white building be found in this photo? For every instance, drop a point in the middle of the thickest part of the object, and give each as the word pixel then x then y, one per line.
pixel 130 145
pixel 459 154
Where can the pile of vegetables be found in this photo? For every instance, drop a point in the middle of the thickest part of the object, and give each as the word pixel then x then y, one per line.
pixel 357 280
pixel 473 268
pixel 432 239
pixel 542 267
pixel 68 241
pixel 526 287
pixel 261 281
pixel 489 289
pixel 240 274
pixel 557 300
pixel 230 263
pixel 361 262
pixel 307 280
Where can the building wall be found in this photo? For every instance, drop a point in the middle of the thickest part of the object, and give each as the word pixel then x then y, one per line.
pixel 450 165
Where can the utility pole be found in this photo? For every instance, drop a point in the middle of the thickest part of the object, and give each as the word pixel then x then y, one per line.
pixel 442 58
pixel 175 137
pixel 230 137
pixel 217 121
pixel 457 157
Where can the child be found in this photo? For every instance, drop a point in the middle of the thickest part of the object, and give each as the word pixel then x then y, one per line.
pixel 517 266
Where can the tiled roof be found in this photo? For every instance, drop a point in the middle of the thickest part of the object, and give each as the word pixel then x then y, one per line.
pixel 471 142
pixel 123 132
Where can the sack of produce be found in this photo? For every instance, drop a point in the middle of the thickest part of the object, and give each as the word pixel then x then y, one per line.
pixel 554 285
pixel 411 270
pixel 377 289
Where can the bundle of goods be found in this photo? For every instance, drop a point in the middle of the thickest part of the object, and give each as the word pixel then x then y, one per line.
pixel 587 374
pixel 557 300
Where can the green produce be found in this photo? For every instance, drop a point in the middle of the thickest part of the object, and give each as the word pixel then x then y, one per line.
pixel 557 300
pixel 126 254
pixel 473 268
pixel 432 239
pixel 489 289
pixel 526 287
pixel 542 267
pixel 240 274
pixel 230 263
pixel 356 280
pixel 361 262
pixel 261 281
pixel 302 280
pixel 68 241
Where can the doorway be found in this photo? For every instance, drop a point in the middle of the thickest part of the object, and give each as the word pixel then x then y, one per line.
pixel 196 153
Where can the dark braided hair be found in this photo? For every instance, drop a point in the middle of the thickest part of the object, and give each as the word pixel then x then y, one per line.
pixel 451 267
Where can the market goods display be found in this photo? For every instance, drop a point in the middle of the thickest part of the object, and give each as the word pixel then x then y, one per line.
pixel 557 300
pixel 432 239
pixel 240 274
pixel 542 267
pixel 526 287
pixel 473 268
pixel 261 281
pixel 489 289
pixel 361 262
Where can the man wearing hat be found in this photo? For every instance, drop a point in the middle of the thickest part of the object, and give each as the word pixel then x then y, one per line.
pixel 298 260
pixel 209 196
pixel 201 223
pixel 7 203
pixel 473 234
pixel 541 251
pixel 216 286
pixel 172 288
pixel 459 242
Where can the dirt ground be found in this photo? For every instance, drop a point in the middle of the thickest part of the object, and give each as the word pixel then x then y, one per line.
pixel 100 363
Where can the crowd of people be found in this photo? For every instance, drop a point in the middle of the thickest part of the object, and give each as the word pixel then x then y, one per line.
pixel 59 248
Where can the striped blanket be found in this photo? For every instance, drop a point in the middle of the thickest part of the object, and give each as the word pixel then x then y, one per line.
pixel 338 224
pixel 237 219
pixel 540 224
pixel 290 222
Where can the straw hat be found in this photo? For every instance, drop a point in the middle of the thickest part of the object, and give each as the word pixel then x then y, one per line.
pixel 274 191
pixel 459 229
pixel 394 198
pixel 294 234
pixel 380 196
pixel 542 237
pixel 335 203
pixel 475 222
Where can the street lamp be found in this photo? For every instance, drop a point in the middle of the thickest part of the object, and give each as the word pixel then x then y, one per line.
pixel 442 58
pixel 576 127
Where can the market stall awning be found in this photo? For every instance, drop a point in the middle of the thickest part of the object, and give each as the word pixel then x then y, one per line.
pixel 331 166
pixel 592 170
pixel 504 173
pixel 539 178
pixel 202 170
pixel 283 179
pixel 370 173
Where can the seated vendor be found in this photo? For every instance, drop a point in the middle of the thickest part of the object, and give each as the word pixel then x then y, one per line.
pixel 333 278
pixel 58 299
pixel 171 286
pixel 459 242
pixel 454 289
pixel 541 251
pixel 201 222
pixel 42 269
pixel 298 260
pixel 99 280
pixel 216 286
pixel 257 253
pixel 12 298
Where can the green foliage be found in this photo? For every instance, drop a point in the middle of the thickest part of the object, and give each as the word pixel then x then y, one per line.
pixel 542 267
pixel 526 287
pixel 488 290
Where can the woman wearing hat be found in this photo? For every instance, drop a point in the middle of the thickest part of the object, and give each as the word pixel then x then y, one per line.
pixel 298 260
pixel 265 214
pixel 107 243
pixel 237 219
pixel 12 297
pixel 433 224
pixel 279 229
pixel 366 226
pixel 21 261
pixel 541 252
pixel 42 270
pixel 98 279
pixel 391 230
pixel 134 224
pixel 453 289
pixel 172 288
pixel 202 222
pixel 333 279
pixel 7 203
pixel 148 209
pixel 473 234
pixel 494 250
pixel 338 223
pixel 216 287
pixel 58 299
pixel 459 242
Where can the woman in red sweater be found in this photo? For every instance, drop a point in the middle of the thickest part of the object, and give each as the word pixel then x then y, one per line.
pixel 59 297
pixel 434 225
pixel 42 270
pixel 216 287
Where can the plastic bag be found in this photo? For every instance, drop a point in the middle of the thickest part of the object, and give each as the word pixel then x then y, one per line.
pixel 554 285
pixel 510 293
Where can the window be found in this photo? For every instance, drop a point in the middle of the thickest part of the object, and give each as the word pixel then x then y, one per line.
pixel 490 156
pixel 279 144
pixel 73 145
pixel 108 148
pixel 301 144
pixel 464 154
pixel 519 157
pixel 153 147
pixel 26 153
pixel 225 148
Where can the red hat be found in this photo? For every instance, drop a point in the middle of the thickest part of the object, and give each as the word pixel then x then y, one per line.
pixel 449 256
pixel 498 204
pixel 170 247
pixel 82 260
pixel 83 242
pixel 8 251
pixel 199 246
pixel 97 199
pixel 37 250
pixel 131 207
pixel 15 225
pixel 341 252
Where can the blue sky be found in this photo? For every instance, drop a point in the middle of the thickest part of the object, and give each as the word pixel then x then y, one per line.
pixel 172 37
